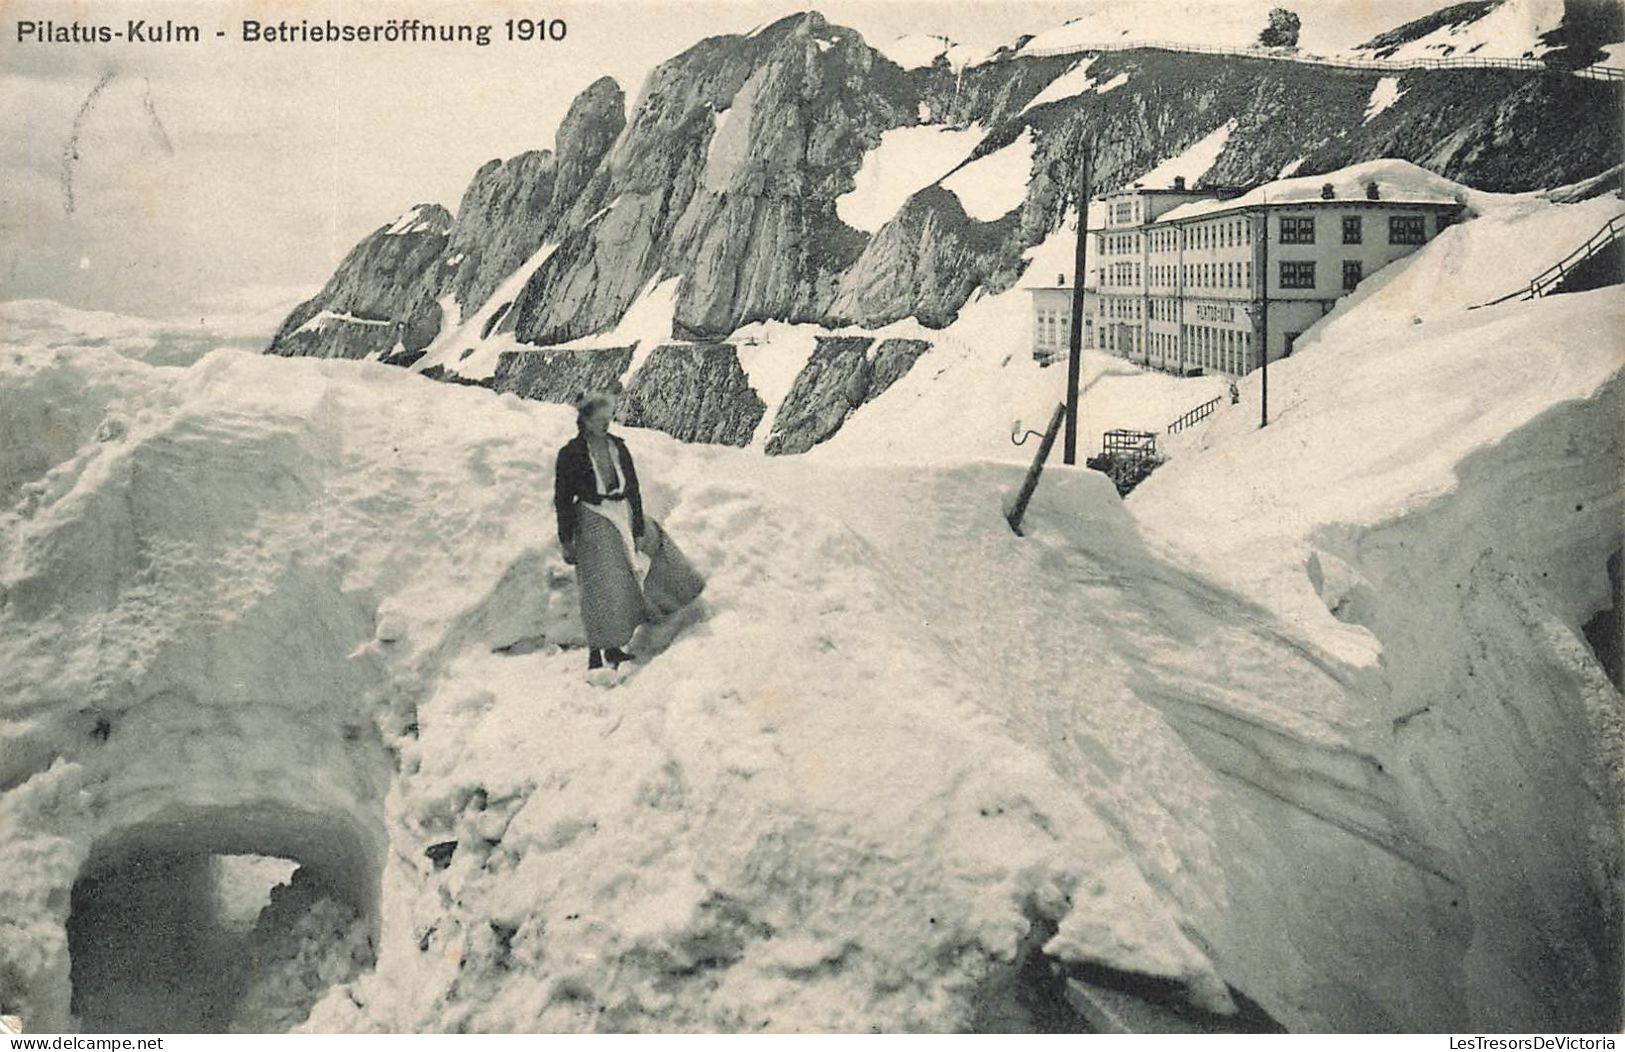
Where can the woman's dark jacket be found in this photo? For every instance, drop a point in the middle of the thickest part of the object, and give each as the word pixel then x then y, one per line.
pixel 574 480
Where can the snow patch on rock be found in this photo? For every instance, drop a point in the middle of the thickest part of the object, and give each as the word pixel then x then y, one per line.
pixel 1113 84
pixel 914 50
pixel 473 346
pixel 417 219
pixel 906 160
pixel 730 143
pixel 1384 95
pixel 1075 81
pixel 995 184
pixel 1192 163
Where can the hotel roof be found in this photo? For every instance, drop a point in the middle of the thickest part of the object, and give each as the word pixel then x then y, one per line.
pixel 1398 182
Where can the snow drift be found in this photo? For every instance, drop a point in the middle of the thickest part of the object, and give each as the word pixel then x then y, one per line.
pixel 314 610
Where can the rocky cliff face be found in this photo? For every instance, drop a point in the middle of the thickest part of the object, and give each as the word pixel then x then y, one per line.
pixel 513 208
pixel 726 173
pixel 383 293
pixel 843 374
pixel 696 392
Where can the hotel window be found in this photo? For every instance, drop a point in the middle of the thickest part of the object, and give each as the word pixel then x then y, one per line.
pixel 1407 230
pixel 1247 269
pixel 1352 272
pixel 1297 230
pixel 1297 274
pixel 1352 233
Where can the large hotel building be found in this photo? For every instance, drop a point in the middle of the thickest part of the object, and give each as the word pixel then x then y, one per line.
pixel 1196 281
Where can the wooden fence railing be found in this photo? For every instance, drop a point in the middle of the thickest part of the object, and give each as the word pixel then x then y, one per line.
pixel 1553 276
pixel 1376 65
pixel 1201 412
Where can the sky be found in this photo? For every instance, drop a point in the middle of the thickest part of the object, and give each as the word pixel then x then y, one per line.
pixel 228 177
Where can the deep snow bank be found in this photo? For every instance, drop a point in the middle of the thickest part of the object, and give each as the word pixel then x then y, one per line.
pixel 314 609
pixel 262 615
pixel 1436 499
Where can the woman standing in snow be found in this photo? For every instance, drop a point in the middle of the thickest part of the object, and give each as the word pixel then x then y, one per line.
pixel 603 531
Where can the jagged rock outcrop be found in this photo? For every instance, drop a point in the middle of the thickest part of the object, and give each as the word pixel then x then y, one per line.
pixel 892 361
pixel 727 176
pixel 841 376
pixel 695 392
pixel 559 376
pixel 725 179
pixel 383 293
pixel 512 207
pixel 926 263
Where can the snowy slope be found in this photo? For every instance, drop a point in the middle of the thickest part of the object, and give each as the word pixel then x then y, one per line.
pixel 1435 499
pixel 1508 29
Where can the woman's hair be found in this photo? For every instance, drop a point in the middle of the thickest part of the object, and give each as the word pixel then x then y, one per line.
pixel 589 402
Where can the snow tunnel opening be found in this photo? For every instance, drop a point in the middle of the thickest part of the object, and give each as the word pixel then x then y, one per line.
pixel 1027 995
pixel 219 923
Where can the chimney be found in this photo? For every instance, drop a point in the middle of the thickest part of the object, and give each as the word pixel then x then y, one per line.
pixel 1371 191
pixel 1326 192
pixel 1060 281
pixel 1179 182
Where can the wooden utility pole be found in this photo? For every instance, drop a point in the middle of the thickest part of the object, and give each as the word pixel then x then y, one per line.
pixel 1074 361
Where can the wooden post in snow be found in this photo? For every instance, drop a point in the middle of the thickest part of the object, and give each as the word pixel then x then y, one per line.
pixel 1030 483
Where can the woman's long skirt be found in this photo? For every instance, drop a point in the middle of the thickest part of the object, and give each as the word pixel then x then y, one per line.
pixel 613 603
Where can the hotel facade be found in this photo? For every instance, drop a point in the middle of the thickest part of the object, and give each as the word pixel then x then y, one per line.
pixel 1202 281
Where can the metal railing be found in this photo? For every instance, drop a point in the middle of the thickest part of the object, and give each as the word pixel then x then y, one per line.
pixel 1377 65
pixel 1553 276
pixel 1200 413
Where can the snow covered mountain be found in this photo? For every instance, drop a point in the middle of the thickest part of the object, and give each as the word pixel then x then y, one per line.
pixel 1567 33
pixel 797 176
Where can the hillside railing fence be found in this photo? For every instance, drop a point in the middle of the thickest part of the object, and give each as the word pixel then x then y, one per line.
pixel 1375 65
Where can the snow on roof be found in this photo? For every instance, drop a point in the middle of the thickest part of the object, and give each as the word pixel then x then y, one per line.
pixel 1399 182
